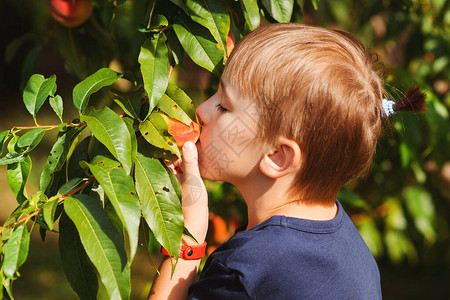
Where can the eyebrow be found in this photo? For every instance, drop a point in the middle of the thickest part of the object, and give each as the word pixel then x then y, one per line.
pixel 227 94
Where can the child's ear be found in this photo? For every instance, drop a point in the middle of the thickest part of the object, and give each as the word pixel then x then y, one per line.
pixel 281 159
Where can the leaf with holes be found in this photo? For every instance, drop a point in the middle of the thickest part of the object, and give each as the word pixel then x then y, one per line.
pixel 121 193
pixel 155 131
pixel 177 105
pixel 160 205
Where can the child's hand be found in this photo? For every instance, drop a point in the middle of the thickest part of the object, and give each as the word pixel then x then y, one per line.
pixel 195 197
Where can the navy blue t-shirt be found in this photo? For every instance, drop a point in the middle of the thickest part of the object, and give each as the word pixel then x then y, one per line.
pixel 291 258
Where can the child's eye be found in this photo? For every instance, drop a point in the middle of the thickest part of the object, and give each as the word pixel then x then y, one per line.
pixel 220 107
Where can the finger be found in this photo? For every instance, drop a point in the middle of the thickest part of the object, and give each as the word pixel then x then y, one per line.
pixel 189 164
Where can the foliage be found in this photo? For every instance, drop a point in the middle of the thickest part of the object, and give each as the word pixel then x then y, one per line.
pixel 98 188
pixel 105 179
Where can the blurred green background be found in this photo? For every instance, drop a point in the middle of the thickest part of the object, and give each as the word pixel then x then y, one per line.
pixel 401 207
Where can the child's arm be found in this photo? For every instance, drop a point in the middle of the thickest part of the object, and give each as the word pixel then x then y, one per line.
pixel 195 211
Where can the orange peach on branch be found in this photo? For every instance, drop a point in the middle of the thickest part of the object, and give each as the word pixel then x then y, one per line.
pixel 182 132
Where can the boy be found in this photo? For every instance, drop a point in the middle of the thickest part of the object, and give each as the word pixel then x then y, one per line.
pixel 297 115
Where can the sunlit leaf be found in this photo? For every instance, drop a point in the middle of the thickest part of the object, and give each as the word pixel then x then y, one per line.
pixel 155 131
pixel 112 132
pixel 3 136
pixel 176 104
pixel 16 251
pixel 78 268
pixel 251 13
pixel 57 104
pixel 36 92
pixel 121 193
pixel 280 10
pixel 12 157
pixel 103 244
pixel 201 46
pixel 83 90
pixel 154 62
pixel 17 175
pixel 31 139
pixel 213 15
pixel 160 205
pixel 49 210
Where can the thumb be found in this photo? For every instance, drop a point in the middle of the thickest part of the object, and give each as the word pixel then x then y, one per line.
pixel 189 163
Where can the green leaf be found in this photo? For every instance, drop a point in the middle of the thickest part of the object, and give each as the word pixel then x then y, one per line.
pixel 180 4
pixel 57 104
pixel 177 105
pixel 160 205
pixel 371 236
pixel 80 153
pixel 121 193
pixel 49 210
pixel 251 13
pixel 31 139
pixel 154 130
pixel 57 158
pixel 198 42
pixel 12 157
pixel 175 48
pixel 174 181
pixel 83 90
pixel 213 15
pixel 3 136
pixel 154 62
pixel 36 92
pixel 16 251
pixel 78 268
pixel 419 204
pixel 17 175
pixel 69 186
pixel 112 132
pixel 130 102
pixel 280 10
pixel 102 242
pixel 129 122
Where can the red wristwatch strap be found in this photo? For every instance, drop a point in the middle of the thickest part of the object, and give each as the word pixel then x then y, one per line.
pixel 189 252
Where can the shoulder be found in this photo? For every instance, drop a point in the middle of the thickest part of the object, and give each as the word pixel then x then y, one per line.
pixel 300 257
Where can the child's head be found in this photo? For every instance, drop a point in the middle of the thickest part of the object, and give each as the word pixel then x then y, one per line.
pixel 320 88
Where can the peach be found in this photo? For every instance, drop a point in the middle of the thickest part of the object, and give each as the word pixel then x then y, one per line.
pixel 182 132
pixel 70 13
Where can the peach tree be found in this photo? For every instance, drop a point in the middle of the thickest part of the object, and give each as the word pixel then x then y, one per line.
pixel 105 186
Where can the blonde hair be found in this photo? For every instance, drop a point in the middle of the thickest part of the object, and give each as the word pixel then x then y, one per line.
pixel 321 88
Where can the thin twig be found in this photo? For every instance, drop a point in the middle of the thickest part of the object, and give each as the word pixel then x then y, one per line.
pixel 21 220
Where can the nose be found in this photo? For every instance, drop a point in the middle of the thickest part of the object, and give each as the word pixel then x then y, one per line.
pixel 201 114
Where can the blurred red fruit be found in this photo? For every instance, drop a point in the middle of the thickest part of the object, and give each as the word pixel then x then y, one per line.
pixel 70 13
